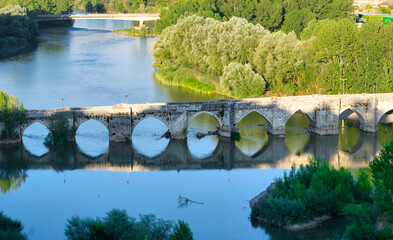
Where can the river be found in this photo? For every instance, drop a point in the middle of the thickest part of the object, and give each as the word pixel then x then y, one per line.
pixel 83 66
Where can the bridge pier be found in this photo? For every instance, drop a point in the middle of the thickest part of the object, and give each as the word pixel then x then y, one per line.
pixel 120 128
pixel 326 121
pixel 178 127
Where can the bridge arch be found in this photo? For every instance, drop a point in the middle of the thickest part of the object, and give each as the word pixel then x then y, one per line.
pixel 148 137
pixel 81 121
pixel 194 115
pixel 344 113
pixel 383 113
pixel 92 137
pixel 310 119
pixel 25 126
pixel 136 122
pixel 247 113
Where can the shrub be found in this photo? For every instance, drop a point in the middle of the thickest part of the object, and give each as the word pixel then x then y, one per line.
pixel 362 221
pixel 118 225
pixel 60 131
pixel 181 231
pixel 241 81
pixel 10 229
pixel 382 169
pixel 313 190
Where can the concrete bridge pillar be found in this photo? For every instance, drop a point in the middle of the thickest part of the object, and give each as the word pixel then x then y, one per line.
pixel 119 127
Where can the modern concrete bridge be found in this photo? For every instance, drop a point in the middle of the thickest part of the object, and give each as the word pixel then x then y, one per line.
pixel 322 111
pixel 140 17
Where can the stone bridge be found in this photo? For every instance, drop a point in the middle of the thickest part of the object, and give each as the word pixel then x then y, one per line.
pixel 323 112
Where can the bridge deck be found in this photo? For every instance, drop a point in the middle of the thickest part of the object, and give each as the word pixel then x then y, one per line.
pixel 125 16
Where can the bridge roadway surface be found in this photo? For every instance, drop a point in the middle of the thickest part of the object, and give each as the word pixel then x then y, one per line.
pixel 141 17
pixel 322 111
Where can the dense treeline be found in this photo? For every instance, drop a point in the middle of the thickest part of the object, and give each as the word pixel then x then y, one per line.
pixel 251 61
pixel 119 225
pixel 122 6
pixel 288 15
pixel 41 6
pixel 16 28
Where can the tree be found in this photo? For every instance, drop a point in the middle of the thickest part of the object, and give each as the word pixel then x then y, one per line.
pixel 181 231
pixel 382 169
pixel 336 50
pixel 297 20
pixel 60 131
pixel 12 114
pixel 241 81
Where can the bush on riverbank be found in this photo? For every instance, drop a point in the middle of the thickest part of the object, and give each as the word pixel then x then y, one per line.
pixel 143 32
pixel 118 225
pixel 16 28
pixel 10 229
pixel 313 190
pixel 60 131
pixel 12 113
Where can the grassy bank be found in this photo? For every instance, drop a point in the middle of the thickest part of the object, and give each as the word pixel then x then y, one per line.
pixel 189 78
pixel 135 32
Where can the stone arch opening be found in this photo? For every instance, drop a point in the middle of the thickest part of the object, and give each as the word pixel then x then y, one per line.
pixel 33 138
pixel 202 130
pixel 149 137
pixel 385 128
pixel 92 138
pixel 351 117
pixel 253 129
pixel 350 122
pixel 297 131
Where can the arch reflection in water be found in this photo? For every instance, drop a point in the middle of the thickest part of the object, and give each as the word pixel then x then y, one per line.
pixel 297 133
pixel 205 146
pixel 92 138
pixel 34 137
pixel 147 137
pixel 385 128
pixel 253 133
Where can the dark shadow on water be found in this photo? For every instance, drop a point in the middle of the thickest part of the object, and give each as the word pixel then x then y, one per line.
pixel 333 229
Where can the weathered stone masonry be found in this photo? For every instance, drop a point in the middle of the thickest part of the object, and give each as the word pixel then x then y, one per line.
pixel 323 112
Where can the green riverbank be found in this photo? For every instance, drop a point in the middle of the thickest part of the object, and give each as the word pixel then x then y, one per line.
pixel 189 78
pixel 135 32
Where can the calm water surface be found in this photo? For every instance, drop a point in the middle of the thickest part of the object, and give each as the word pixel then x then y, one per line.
pixel 86 67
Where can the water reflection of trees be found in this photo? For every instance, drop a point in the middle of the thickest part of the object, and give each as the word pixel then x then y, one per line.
pixel 348 136
pixel 385 133
pixel 13 170
pixel 253 134
pixel 297 133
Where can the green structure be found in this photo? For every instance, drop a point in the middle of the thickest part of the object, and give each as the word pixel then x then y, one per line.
pixel 384 17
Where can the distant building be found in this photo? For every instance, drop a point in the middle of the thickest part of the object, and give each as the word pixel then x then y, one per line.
pixel 372 2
